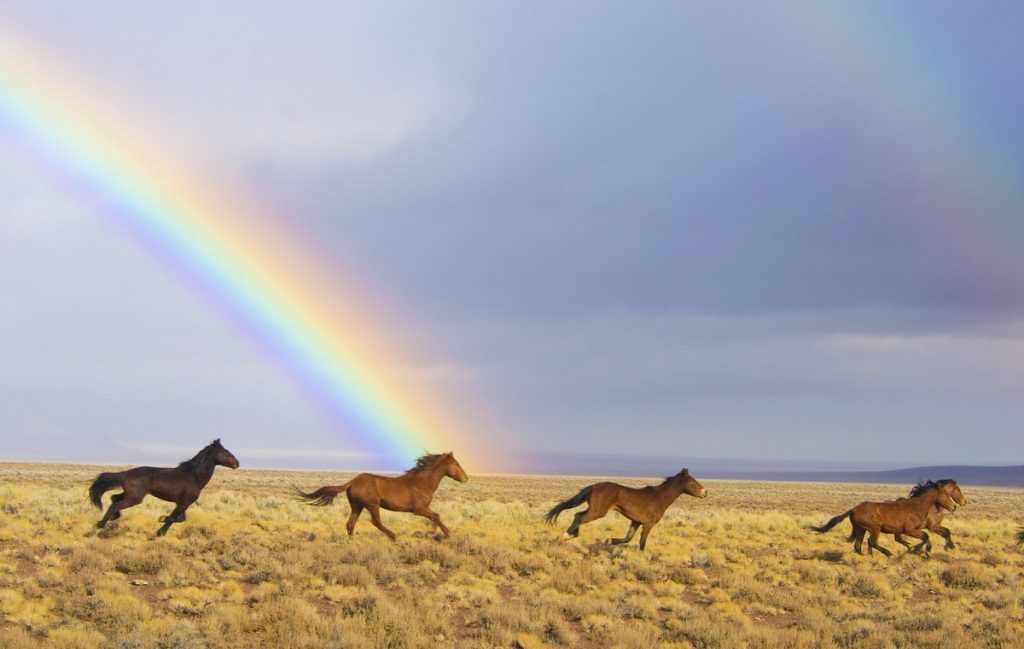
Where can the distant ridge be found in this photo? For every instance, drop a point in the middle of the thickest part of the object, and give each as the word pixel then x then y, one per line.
pixel 982 476
pixel 772 470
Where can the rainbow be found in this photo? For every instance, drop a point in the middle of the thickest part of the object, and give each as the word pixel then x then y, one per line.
pixel 200 234
pixel 962 177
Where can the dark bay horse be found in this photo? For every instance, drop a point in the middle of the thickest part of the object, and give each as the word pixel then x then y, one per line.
pixel 643 507
pixel 933 523
pixel 904 516
pixel 410 492
pixel 180 485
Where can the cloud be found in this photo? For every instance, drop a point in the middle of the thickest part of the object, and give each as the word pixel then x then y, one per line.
pixel 657 230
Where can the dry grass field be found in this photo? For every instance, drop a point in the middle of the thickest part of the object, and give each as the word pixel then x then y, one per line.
pixel 253 568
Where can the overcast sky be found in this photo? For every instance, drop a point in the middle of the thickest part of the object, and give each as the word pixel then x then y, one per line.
pixel 727 230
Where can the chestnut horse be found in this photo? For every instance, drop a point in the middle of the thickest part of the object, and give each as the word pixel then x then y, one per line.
pixel 933 522
pixel 644 506
pixel 410 492
pixel 180 485
pixel 904 516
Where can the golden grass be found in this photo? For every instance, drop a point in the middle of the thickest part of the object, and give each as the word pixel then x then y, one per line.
pixel 253 568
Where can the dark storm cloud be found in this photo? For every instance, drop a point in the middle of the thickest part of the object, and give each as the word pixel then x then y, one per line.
pixel 641 164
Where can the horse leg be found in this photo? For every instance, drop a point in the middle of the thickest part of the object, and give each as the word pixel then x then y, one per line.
pixel 357 509
pixel 858 538
pixel 426 512
pixel 633 525
pixel 925 541
pixel 591 513
pixel 944 533
pixel 176 516
pixel 902 541
pixel 113 513
pixel 116 498
pixel 643 535
pixel 379 524
pixel 873 543
pixel 117 503
pixel 574 526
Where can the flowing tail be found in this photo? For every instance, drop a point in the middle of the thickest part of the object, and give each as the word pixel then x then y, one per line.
pixel 832 523
pixel 575 501
pixel 103 483
pixel 323 496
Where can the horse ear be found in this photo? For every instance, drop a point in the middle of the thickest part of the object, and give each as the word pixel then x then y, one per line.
pixel 684 472
pixel 216 442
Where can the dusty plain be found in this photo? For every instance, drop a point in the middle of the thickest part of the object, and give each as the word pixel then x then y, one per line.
pixel 252 567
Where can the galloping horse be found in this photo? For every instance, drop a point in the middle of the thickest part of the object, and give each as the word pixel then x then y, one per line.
pixel 180 485
pixel 935 515
pixel 904 516
pixel 410 492
pixel 644 506
pixel 1020 536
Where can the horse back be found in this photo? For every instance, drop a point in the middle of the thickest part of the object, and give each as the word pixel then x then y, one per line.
pixel 633 502
pixel 890 517
pixel 390 492
pixel 169 484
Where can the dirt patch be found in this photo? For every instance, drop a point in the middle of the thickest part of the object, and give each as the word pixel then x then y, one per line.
pixel 144 588
pixel 26 568
pixel 781 621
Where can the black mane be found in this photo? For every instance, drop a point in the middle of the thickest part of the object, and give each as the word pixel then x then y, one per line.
pixel 922 487
pixel 200 457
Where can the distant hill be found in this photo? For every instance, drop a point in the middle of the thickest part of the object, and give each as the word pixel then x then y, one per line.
pixel 791 471
pixel 985 476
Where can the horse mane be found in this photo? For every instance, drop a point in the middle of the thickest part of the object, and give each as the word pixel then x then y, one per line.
pixel 193 463
pixel 922 487
pixel 425 462
pixel 670 478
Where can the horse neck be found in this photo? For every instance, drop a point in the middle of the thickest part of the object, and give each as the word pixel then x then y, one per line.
pixel 201 468
pixel 669 491
pixel 429 478
pixel 928 500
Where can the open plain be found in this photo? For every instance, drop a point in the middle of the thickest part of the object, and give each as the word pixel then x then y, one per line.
pixel 252 567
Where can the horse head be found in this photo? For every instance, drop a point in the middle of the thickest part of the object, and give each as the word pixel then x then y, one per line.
pixel 223 456
pixel 944 500
pixel 454 470
pixel 951 488
pixel 690 485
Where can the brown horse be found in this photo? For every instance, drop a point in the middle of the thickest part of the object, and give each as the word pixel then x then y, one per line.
pixel 1020 536
pixel 644 506
pixel 410 492
pixel 180 485
pixel 904 516
pixel 933 522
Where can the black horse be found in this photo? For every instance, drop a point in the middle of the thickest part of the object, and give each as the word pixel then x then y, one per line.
pixel 180 485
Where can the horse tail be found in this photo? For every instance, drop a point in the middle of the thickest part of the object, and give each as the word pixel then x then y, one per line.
pixel 575 501
pixel 103 483
pixel 832 523
pixel 1020 536
pixel 323 496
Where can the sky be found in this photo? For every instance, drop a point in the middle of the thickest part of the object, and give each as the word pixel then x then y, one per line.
pixel 790 232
